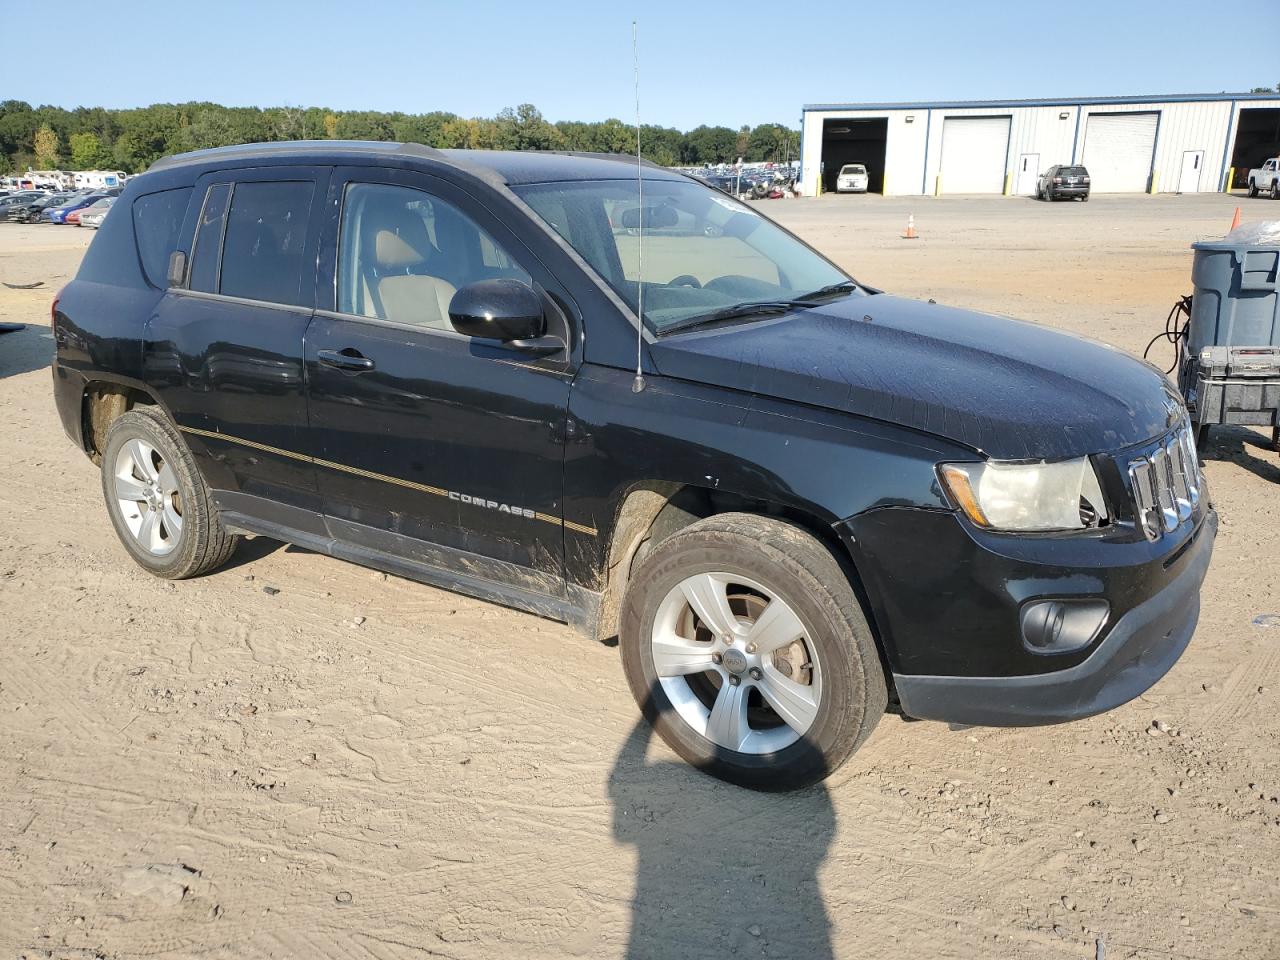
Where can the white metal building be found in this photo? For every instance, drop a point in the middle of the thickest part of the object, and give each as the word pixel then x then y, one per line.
pixel 1183 143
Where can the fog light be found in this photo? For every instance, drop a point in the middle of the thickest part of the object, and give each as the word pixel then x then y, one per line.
pixel 1060 626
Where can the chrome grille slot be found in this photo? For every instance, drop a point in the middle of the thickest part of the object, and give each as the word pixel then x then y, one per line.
pixel 1166 484
pixel 1178 468
pixel 1162 478
pixel 1144 496
pixel 1192 461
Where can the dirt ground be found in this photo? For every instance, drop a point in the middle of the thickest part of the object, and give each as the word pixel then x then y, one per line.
pixel 216 769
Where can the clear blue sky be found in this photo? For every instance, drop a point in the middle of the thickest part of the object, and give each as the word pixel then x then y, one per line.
pixel 701 62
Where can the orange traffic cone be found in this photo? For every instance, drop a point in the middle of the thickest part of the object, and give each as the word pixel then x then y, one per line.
pixel 911 228
pixel 1235 221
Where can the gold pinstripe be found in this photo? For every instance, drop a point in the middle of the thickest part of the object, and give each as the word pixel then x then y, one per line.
pixel 369 474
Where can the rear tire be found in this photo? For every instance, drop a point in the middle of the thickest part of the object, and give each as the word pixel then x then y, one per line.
pixel 814 656
pixel 157 500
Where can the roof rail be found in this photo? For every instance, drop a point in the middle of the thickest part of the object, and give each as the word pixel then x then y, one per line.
pixel 249 151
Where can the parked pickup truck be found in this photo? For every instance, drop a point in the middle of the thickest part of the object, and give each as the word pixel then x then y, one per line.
pixel 1266 179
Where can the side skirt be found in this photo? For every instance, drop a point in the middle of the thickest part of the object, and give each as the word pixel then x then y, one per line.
pixel 579 608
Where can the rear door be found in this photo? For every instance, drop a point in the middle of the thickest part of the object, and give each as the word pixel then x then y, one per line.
pixel 425 438
pixel 224 354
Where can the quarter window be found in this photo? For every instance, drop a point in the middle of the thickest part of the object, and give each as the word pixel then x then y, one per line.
pixel 157 218
pixel 403 254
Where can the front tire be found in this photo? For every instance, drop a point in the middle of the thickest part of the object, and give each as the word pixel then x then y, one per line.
pixel 157 500
pixel 1275 189
pixel 1253 189
pixel 747 649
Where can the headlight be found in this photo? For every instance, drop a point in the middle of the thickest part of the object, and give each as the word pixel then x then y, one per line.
pixel 1025 497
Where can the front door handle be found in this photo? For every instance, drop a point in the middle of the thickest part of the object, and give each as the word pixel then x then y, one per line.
pixel 349 359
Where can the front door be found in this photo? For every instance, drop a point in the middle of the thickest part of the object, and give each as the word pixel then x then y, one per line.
pixel 223 350
pixel 1189 179
pixel 1028 174
pixel 430 445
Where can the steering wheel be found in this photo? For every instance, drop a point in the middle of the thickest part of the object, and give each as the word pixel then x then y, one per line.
pixel 685 280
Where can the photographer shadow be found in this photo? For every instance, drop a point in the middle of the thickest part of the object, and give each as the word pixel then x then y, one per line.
pixel 722 871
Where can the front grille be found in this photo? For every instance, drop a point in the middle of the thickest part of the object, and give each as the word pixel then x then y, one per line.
pixel 1166 484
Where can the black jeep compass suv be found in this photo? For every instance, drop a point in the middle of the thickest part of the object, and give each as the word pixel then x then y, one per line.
pixel 649 411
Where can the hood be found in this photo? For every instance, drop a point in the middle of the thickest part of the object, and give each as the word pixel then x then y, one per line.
pixel 1010 389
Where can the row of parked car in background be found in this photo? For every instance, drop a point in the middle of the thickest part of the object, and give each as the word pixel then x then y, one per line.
pixel 768 181
pixel 81 208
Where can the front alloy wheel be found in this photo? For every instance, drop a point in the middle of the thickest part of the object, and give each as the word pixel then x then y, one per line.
pixel 734 661
pixel 746 647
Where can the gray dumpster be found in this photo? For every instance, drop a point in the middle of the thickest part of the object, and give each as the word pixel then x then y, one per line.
pixel 1231 373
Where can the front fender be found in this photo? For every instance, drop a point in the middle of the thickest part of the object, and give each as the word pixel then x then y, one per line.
pixel 827 465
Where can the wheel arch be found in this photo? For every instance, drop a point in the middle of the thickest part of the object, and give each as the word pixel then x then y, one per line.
pixel 102 402
pixel 653 510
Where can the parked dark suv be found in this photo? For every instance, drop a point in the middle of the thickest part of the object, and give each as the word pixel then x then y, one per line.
pixel 809 502
pixel 1064 182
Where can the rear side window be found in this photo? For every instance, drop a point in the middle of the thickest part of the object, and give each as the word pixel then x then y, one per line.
pixel 157 219
pixel 263 251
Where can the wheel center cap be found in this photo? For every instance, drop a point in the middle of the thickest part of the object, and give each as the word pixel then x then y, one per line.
pixel 734 660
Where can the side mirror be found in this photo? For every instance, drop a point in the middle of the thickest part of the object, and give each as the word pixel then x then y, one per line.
pixel 503 310
pixel 177 275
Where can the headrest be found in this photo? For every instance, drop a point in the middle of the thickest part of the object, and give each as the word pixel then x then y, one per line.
pixel 393 252
pixel 399 235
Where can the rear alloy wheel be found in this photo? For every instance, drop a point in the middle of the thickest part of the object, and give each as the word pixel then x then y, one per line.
pixel 157 500
pixel 746 648
pixel 147 496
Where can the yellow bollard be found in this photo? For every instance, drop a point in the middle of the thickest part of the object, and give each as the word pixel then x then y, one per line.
pixel 937 185
pixel 1008 179
pixel 1155 182
pixel 1231 176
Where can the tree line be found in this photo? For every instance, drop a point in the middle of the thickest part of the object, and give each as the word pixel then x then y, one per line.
pixel 86 138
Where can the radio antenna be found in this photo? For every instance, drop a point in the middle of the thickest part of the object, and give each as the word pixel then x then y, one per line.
pixel 638 384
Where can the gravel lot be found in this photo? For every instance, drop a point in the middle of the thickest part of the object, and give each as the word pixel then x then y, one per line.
pixel 360 766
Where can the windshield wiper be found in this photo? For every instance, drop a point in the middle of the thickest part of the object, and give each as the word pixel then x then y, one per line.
pixel 754 308
pixel 844 286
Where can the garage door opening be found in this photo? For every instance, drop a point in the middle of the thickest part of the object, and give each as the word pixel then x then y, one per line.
pixel 1119 149
pixel 1257 139
pixel 854 141
pixel 975 154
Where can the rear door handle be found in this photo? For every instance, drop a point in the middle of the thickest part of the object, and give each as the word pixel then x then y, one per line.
pixel 349 359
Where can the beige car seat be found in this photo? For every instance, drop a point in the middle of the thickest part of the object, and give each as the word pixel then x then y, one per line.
pixel 401 247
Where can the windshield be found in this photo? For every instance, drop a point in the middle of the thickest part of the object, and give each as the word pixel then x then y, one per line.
pixel 703 252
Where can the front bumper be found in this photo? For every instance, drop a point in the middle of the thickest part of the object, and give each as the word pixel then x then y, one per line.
pixel 1139 649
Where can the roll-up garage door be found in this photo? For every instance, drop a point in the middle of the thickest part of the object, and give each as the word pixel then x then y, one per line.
pixel 974 153
pixel 1117 151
